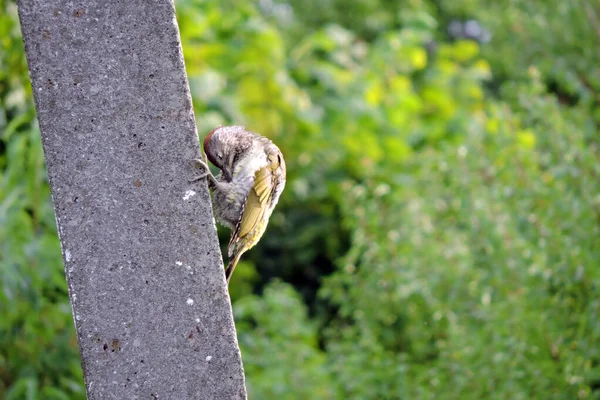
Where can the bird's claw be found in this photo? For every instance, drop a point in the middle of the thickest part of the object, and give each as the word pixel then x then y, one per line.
pixel 197 178
pixel 200 163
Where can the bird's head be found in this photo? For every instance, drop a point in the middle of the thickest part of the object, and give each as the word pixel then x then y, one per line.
pixel 224 145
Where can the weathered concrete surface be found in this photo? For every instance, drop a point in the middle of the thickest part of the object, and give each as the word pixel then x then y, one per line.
pixel 139 243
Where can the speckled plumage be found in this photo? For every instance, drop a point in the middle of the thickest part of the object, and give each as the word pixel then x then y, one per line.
pixel 248 187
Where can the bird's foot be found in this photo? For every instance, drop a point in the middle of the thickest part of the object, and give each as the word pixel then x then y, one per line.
pixel 201 164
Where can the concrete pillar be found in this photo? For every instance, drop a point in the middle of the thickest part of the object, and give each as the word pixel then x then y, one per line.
pixel 139 243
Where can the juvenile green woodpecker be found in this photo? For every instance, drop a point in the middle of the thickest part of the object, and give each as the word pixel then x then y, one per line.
pixel 248 187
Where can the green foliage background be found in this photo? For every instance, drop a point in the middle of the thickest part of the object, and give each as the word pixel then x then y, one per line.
pixel 439 235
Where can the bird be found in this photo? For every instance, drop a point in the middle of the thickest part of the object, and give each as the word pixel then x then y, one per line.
pixel 245 192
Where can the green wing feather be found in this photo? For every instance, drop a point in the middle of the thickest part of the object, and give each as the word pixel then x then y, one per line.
pixel 255 207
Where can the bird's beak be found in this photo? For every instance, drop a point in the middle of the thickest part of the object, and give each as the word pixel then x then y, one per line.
pixel 226 174
pixel 228 169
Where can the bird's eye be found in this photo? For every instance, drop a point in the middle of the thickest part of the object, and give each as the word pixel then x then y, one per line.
pixel 220 156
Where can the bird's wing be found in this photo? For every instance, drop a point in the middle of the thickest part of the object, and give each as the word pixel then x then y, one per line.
pixel 268 185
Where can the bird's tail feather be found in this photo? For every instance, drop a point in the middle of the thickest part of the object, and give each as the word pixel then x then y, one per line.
pixel 232 264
